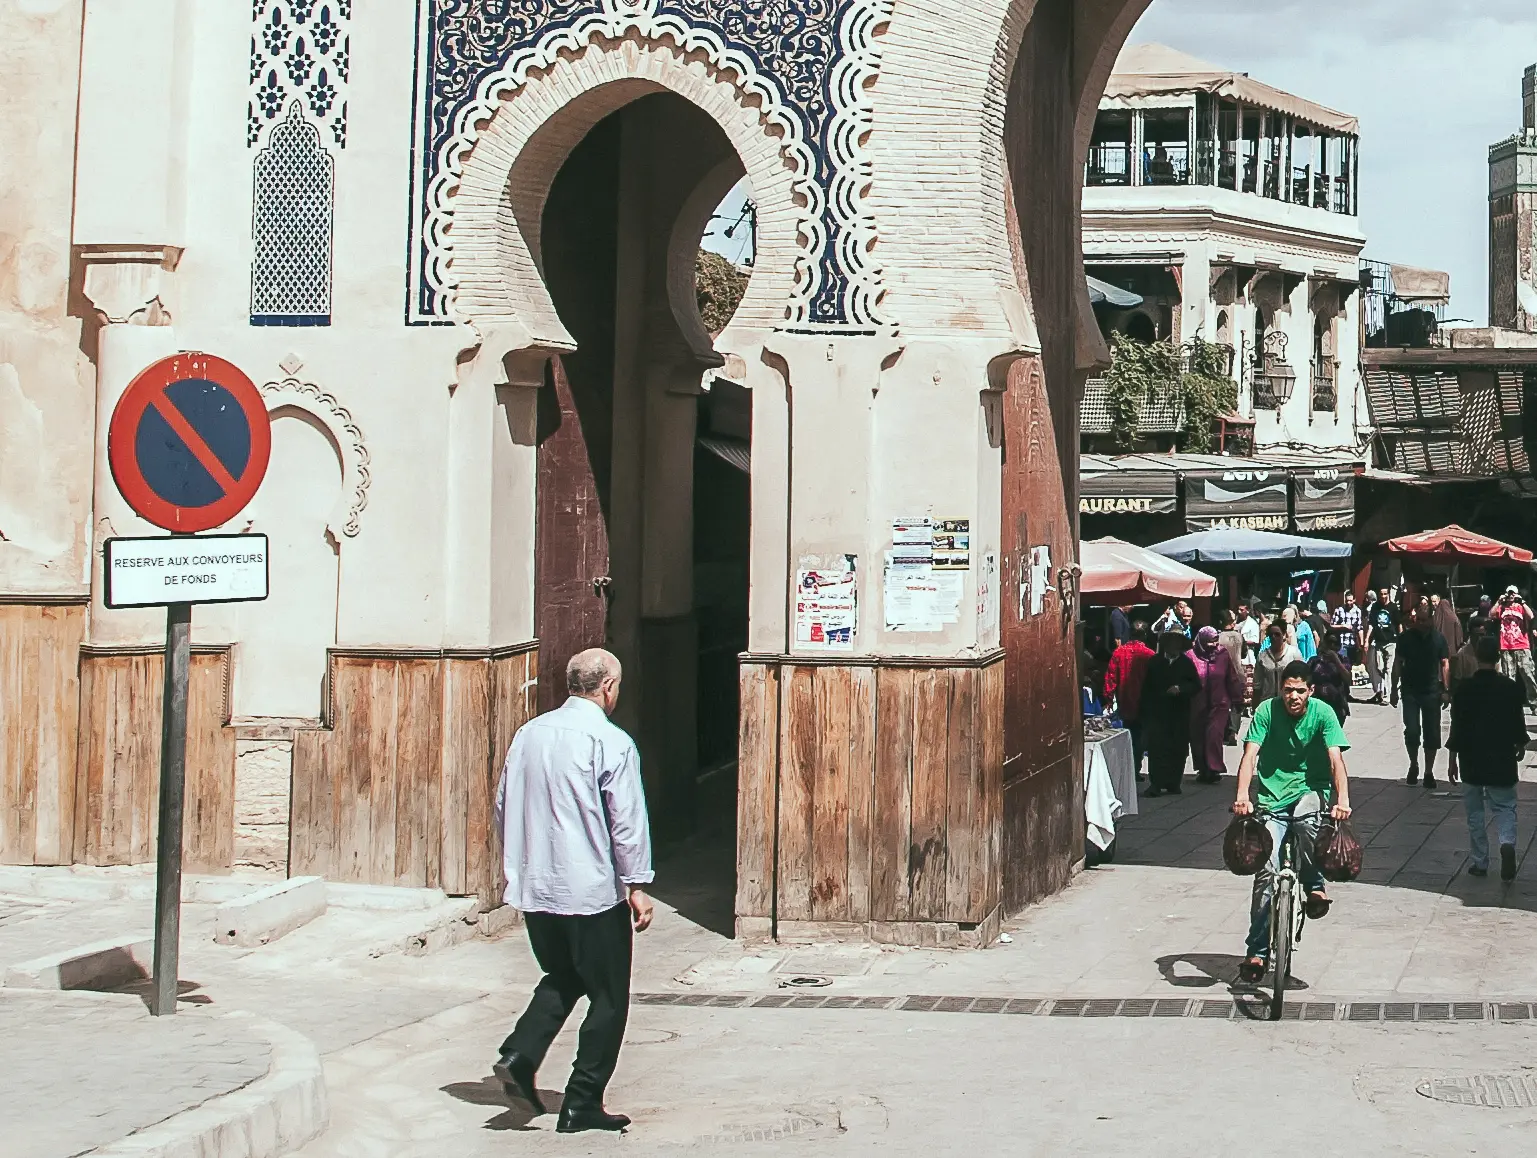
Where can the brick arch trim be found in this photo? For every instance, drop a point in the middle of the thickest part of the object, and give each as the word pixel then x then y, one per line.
pixel 541 114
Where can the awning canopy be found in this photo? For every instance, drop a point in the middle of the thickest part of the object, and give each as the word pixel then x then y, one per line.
pixel 1455 545
pixel 1118 572
pixel 1102 293
pixel 1323 499
pixel 1107 488
pixel 1229 545
pixel 1431 286
pixel 1252 499
pixel 1157 69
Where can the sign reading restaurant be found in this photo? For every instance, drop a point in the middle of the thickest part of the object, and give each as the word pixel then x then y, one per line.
pixel 1121 506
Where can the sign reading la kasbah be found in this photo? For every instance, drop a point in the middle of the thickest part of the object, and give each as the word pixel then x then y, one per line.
pixel 1251 523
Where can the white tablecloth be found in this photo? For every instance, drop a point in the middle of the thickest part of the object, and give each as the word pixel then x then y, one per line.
pixel 1109 785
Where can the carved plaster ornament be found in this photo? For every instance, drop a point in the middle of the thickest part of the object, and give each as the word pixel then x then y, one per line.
pixel 310 398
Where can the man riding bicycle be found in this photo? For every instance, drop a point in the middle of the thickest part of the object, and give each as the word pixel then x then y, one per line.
pixel 1296 747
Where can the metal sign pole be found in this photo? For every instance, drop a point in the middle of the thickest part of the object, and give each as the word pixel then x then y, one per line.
pixel 173 770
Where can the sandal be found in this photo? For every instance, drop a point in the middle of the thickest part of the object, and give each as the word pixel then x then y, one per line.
pixel 1316 907
pixel 1251 969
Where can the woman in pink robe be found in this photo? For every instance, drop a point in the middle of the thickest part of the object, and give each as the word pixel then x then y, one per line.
pixel 1222 684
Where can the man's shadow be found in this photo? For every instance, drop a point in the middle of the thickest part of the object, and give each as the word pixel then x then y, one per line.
pixel 491 1091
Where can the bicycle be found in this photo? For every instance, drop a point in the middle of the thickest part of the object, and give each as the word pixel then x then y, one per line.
pixel 1288 907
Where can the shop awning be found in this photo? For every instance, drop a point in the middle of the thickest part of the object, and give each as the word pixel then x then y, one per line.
pixel 1455 545
pixel 1156 69
pixel 1102 293
pixel 1324 498
pixel 1118 572
pixel 1254 499
pixel 1229 545
pixel 1108 486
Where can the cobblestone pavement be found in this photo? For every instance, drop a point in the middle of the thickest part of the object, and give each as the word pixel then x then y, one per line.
pixel 78 1071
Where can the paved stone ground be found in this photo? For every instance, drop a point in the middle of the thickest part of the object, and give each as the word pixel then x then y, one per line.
pixel 80 1071
pixel 408 1040
pixel 1165 922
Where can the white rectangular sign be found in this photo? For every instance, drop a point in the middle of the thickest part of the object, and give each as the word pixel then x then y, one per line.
pixel 185 569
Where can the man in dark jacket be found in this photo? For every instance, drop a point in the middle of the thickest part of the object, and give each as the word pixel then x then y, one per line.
pixel 1488 737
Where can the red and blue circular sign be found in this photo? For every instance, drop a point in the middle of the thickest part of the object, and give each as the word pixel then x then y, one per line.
pixel 189 442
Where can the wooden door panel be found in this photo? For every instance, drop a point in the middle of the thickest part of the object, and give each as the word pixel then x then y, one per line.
pixel 571 548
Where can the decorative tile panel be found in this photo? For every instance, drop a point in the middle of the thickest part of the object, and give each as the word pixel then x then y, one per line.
pixel 301 53
pixel 296 116
pixel 807 63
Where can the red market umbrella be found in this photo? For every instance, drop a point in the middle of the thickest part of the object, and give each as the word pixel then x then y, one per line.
pixel 1455 545
pixel 1117 572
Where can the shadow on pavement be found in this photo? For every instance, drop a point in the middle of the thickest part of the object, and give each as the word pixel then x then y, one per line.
pixel 489 1091
pixel 1214 969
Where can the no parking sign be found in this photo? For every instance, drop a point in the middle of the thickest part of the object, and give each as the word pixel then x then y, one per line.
pixel 188 446
pixel 189 442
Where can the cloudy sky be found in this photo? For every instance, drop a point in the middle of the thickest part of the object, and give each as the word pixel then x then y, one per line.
pixel 1434 84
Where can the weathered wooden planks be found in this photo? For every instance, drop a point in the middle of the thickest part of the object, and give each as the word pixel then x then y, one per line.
pixel 118 762
pixel 39 710
pixel 757 791
pixel 400 789
pixel 884 820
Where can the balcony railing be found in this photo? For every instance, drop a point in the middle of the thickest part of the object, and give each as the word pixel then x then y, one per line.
pixel 1325 395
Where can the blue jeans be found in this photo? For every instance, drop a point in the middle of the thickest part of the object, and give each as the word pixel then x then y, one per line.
pixel 1304 817
pixel 1502 802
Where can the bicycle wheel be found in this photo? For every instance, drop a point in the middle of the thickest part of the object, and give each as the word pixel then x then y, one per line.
pixel 1280 944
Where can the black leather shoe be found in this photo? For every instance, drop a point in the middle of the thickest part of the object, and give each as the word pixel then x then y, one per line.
pixel 575 1119
pixel 1507 862
pixel 517 1075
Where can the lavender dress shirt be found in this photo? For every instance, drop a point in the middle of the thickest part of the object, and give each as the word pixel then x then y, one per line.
pixel 572 814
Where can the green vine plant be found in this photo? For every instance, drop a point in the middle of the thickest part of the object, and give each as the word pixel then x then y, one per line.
pixel 1209 392
pixel 1194 375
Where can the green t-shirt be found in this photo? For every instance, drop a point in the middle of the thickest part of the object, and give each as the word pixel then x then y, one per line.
pixel 1294 754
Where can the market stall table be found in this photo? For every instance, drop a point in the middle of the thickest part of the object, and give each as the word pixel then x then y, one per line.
pixel 1110 789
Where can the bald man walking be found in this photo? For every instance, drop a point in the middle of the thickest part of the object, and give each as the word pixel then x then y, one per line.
pixel 577 849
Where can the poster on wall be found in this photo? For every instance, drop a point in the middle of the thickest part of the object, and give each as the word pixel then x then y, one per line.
pixel 987 600
pixel 928 602
pixel 827 607
pixel 952 544
pixel 912 546
pixel 1040 578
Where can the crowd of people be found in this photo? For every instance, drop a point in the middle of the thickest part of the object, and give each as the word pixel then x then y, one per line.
pixel 1183 689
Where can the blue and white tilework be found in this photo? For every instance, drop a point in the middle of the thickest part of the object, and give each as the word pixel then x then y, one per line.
pixel 807 61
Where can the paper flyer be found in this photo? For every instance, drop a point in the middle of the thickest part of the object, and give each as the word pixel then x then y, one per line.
pixel 987 599
pixel 826 608
pixel 952 544
pixel 1040 578
pixel 912 546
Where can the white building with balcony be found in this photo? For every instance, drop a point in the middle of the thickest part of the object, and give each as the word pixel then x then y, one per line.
pixel 1231 208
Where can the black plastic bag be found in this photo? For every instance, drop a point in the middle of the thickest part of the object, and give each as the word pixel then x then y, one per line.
pixel 1337 852
pixel 1246 846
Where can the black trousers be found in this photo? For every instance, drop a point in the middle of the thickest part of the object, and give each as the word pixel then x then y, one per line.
pixel 581 957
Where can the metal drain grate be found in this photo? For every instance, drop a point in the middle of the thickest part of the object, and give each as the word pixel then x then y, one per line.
pixel 1499 1091
pixel 1402 1012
